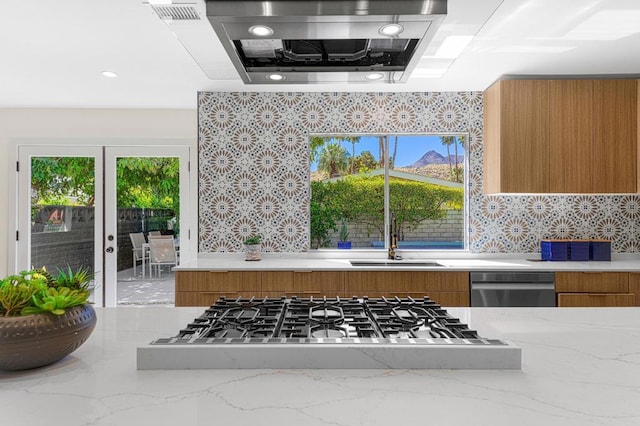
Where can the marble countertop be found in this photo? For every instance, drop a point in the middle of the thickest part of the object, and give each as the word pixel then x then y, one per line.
pixel 580 366
pixel 449 262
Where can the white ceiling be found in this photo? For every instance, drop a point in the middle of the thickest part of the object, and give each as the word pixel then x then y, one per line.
pixel 53 52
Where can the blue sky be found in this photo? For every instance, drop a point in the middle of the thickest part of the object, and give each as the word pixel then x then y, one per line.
pixel 410 147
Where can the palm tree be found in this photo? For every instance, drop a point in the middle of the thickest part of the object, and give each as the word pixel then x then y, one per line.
pixel 392 162
pixel 461 140
pixel 448 141
pixel 353 140
pixel 333 160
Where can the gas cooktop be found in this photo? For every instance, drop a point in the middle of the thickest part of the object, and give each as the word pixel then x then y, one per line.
pixel 328 333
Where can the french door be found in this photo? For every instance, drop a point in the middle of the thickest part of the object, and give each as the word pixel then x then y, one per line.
pixel 80 227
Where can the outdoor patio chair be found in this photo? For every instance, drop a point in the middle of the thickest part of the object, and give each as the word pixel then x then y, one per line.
pixel 161 252
pixel 137 240
pixel 154 233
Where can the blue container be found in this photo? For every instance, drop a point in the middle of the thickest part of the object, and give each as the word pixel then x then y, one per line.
pixel 600 250
pixel 554 249
pixel 346 245
pixel 579 250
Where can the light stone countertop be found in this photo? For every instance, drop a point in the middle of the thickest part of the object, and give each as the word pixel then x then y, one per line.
pixel 580 366
pixel 450 262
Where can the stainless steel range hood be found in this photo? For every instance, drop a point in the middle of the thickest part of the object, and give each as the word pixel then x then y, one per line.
pixel 325 41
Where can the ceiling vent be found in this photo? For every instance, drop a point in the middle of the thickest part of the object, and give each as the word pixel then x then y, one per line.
pixel 176 12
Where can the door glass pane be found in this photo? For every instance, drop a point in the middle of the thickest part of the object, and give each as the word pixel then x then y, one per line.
pixel 63 213
pixel 347 191
pixel 426 190
pixel 148 204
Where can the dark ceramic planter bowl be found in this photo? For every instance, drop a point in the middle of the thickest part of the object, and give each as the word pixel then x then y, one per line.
pixel 37 340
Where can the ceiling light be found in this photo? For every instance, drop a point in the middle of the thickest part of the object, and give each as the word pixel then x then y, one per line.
pixel 276 77
pixel 260 31
pixel 391 30
pixel 109 74
pixel 453 46
pixel 375 76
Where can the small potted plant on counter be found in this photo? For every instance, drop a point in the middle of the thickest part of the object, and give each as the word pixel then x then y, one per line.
pixel 253 247
pixel 42 318
pixel 343 237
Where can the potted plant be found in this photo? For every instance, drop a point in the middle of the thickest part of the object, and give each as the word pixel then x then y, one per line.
pixel 253 247
pixel 42 318
pixel 343 237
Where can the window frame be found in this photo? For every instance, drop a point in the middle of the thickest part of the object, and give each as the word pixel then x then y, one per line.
pixel 387 220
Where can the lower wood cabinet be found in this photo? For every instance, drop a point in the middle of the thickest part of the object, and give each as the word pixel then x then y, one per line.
pixel 446 288
pixel 634 286
pixel 303 283
pixel 592 300
pixel 202 288
pixel 595 289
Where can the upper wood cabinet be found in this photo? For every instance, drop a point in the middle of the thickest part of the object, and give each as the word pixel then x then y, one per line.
pixel 561 136
pixel 516 137
pixel 570 135
pixel 615 136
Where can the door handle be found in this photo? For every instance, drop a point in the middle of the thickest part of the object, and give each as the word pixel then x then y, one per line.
pixel 109 249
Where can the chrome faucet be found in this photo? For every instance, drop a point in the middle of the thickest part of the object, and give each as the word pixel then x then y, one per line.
pixel 393 237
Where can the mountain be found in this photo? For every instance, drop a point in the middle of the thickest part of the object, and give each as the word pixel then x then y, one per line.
pixel 432 157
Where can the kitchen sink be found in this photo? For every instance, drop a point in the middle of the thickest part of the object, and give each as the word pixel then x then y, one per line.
pixel 400 263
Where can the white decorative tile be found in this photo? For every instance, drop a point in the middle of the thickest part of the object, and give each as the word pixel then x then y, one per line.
pixel 253 150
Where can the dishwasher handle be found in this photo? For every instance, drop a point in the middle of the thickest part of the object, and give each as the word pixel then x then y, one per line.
pixel 512 286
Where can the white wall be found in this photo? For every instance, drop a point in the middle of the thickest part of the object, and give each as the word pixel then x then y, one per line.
pixel 82 127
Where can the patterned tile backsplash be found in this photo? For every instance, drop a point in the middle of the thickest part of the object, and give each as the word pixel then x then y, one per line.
pixel 254 171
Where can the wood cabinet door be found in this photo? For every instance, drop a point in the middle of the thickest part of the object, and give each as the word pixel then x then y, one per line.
pixel 592 282
pixel 202 288
pixel 304 283
pixel 404 283
pixel 570 135
pixel 634 286
pixel 518 140
pixel 203 298
pixel 615 136
pixel 592 300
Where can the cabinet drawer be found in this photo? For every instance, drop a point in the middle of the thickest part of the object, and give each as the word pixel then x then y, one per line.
pixel 634 286
pixel 591 300
pixel 307 283
pixel 218 281
pixel 415 282
pixel 592 282
pixel 205 298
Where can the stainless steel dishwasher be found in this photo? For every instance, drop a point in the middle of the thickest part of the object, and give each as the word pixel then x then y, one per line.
pixel 509 288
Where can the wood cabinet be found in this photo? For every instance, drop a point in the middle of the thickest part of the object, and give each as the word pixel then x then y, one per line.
pixel 303 283
pixel 615 136
pixel 561 136
pixel 446 288
pixel 570 135
pixel 634 287
pixel 591 289
pixel 202 288
pixel 516 137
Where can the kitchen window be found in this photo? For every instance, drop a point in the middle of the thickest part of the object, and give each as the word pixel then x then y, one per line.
pixel 364 186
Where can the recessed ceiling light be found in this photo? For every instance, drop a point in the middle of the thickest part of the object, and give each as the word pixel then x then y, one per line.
pixel 275 77
pixel 391 29
pixel 109 74
pixel 375 76
pixel 260 31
